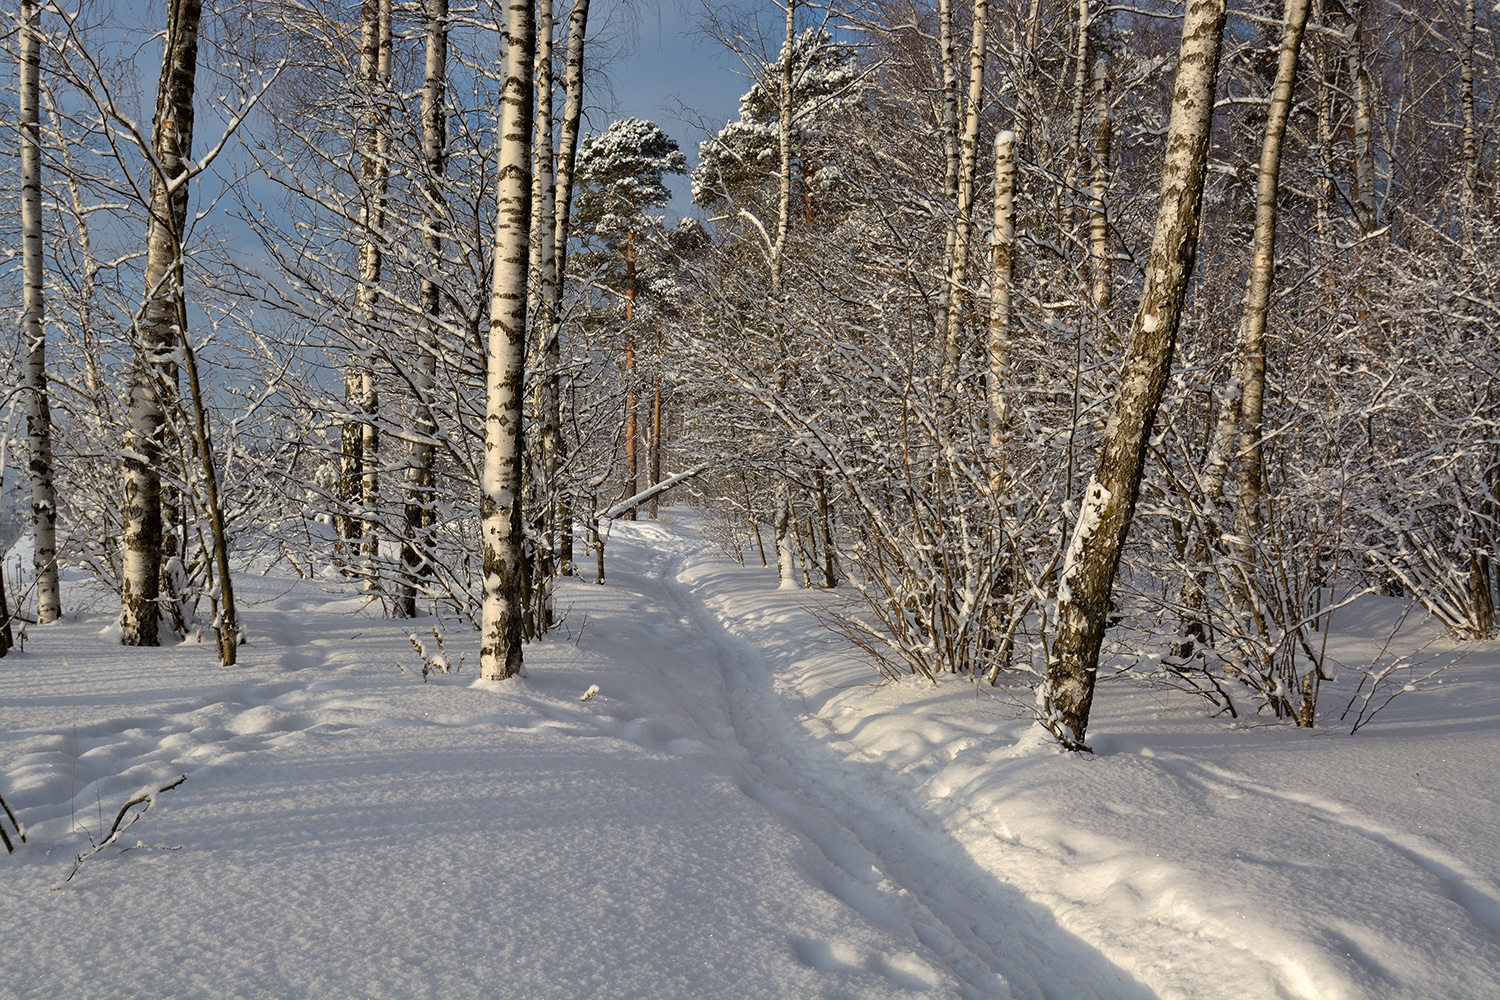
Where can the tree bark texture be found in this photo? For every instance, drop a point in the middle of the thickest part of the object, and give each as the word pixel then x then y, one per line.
pixel 1099 265
pixel 503 559
pixel 1002 262
pixel 963 204
pixel 171 141
pixel 1365 212
pixel 375 72
pixel 1098 537
pixel 416 546
pixel 547 298
pixel 554 443
pixel 38 413
pixel 1258 293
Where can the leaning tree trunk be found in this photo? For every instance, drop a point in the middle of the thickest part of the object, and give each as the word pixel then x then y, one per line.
pixel 171 148
pixel 416 546
pixel 1093 554
pixel 503 560
pixel 38 414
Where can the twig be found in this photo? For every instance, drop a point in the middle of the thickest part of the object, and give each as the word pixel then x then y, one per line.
pixel 20 832
pixel 120 826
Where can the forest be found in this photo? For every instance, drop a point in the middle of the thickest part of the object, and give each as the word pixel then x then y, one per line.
pixel 1047 334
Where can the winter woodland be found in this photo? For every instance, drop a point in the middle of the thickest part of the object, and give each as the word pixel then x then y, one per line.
pixel 1029 344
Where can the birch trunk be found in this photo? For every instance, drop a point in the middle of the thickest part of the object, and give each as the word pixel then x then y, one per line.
pixel 1093 554
pixel 1469 195
pixel 1363 124
pixel 1080 107
pixel 375 177
pixel 547 298
pixel 1099 218
pixel 416 545
pixel 554 444
pixel 1258 295
pixel 963 223
pixel 503 563
pixel 1002 262
pixel 782 525
pixel 171 142
pixel 948 64
pixel 38 414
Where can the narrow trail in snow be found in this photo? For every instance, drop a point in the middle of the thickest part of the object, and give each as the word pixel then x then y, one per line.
pixel 888 860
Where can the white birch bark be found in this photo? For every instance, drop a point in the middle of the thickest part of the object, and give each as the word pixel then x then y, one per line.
pixel 172 138
pixel 782 525
pixel 963 222
pixel 554 444
pixel 416 547
pixel 547 299
pixel 1252 345
pixel 948 65
pixel 375 174
pixel 503 565
pixel 1098 537
pixel 1002 261
pixel 1099 268
pixel 1469 193
pixel 1080 107
pixel 1364 123
pixel 38 414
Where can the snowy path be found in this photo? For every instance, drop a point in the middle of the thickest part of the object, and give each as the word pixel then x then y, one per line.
pixel 738 812
pixel 886 860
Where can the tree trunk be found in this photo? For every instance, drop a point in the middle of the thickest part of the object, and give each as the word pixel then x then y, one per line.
pixel 504 569
pixel 1093 553
pixel 554 443
pixel 655 473
pixel 963 222
pixel 1363 124
pixel 1099 220
pixel 38 414
pixel 825 524
pixel 375 176
pixel 416 546
pixel 1002 261
pixel 547 300
pixel 1469 193
pixel 171 146
pixel 785 543
pixel 1074 154
pixel 1258 298
pixel 632 430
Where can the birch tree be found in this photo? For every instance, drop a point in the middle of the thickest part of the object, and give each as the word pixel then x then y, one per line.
pixel 159 328
pixel 38 413
pixel 503 558
pixel 554 443
pixel 1098 536
pixel 360 485
pixel 417 543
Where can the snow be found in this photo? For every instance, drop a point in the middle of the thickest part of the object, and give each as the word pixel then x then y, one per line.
pixel 697 792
